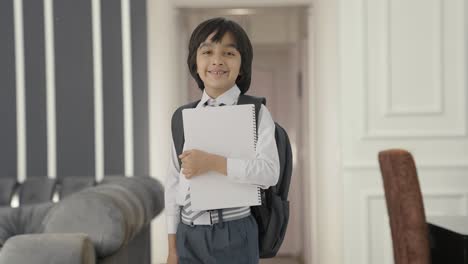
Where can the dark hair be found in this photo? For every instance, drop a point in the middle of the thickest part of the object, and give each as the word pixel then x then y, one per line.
pixel 221 26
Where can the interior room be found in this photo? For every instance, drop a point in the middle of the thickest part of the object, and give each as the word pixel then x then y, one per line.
pixel 372 95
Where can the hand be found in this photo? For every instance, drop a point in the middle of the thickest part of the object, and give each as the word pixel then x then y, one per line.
pixel 172 258
pixel 195 162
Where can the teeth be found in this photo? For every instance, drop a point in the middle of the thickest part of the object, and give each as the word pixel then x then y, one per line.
pixel 218 72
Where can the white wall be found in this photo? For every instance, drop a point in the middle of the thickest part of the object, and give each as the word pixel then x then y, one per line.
pixel 403 72
pixel 164 89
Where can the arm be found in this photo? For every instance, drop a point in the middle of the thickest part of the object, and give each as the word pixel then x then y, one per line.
pixel 172 209
pixel 264 169
pixel 172 256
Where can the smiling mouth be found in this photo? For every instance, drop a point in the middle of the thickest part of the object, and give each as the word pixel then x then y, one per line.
pixel 217 72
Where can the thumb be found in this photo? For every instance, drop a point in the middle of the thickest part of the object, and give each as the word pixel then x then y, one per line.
pixel 184 154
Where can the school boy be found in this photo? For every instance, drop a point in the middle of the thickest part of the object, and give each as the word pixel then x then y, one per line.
pixel 220 60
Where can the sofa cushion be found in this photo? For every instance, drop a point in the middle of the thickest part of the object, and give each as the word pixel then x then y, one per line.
pixel 7 187
pixel 36 190
pixel 7 224
pixel 73 184
pixel 22 220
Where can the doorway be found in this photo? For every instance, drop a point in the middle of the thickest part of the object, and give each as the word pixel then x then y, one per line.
pixel 279 39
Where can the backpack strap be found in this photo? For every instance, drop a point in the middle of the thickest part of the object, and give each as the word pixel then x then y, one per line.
pixel 257 101
pixel 177 127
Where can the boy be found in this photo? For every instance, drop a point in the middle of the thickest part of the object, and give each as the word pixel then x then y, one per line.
pixel 220 60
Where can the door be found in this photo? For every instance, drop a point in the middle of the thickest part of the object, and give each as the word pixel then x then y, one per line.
pixel 275 77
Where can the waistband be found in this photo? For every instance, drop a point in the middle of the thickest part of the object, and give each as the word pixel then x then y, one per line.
pixel 212 217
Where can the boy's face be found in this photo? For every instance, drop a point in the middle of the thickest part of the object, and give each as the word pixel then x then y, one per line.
pixel 218 64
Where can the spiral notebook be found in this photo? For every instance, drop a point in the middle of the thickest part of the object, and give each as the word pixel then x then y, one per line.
pixel 229 131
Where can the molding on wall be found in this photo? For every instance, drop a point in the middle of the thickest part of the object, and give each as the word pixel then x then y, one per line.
pixel 98 91
pixel 377 195
pixel 127 86
pixel 50 89
pixel 444 165
pixel 370 133
pixel 437 108
pixel 20 91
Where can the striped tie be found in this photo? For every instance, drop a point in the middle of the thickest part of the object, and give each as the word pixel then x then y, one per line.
pixel 187 214
pixel 213 103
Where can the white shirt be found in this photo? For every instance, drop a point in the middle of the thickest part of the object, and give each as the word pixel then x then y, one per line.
pixel 262 171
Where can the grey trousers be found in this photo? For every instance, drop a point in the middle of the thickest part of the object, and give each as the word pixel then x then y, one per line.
pixel 233 242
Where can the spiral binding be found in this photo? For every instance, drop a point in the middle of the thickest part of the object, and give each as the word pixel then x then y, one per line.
pixel 260 195
pixel 254 127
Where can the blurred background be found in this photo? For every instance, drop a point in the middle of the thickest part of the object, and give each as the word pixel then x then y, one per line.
pixel 88 89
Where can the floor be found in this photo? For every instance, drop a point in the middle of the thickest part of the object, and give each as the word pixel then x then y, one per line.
pixel 279 260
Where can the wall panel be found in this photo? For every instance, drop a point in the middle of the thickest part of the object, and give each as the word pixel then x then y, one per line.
pixel 35 88
pixel 8 152
pixel 74 88
pixel 112 87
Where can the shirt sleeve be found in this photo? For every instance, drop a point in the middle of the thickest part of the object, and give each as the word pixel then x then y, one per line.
pixel 264 169
pixel 170 193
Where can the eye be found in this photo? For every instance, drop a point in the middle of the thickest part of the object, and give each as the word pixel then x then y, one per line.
pixel 207 52
pixel 230 53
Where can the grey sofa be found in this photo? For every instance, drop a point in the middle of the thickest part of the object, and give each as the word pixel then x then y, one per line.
pixel 104 223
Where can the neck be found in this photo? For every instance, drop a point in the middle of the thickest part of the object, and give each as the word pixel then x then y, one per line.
pixel 214 93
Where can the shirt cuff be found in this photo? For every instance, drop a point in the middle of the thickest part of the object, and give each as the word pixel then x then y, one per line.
pixel 235 169
pixel 172 223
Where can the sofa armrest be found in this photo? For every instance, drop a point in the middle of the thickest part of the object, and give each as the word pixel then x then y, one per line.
pixel 111 214
pixel 48 249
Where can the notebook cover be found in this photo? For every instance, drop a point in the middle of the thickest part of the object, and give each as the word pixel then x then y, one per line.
pixel 229 131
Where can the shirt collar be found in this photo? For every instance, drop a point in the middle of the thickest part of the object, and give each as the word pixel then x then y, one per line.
pixel 229 97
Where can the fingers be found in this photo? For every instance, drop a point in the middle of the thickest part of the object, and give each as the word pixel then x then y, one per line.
pixel 187 169
pixel 186 164
pixel 185 154
pixel 187 173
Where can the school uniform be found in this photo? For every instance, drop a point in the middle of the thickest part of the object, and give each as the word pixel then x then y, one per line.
pixel 227 235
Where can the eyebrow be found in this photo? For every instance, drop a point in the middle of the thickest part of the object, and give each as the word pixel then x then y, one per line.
pixel 208 44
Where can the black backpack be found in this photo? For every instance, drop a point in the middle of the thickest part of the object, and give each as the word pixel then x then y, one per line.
pixel 273 215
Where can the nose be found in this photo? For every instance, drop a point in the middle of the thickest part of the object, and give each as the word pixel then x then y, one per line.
pixel 217 60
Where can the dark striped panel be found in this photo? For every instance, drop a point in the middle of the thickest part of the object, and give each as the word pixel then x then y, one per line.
pixel 8 151
pixel 112 87
pixel 74 88
pixel 36 115
pixel 140 87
